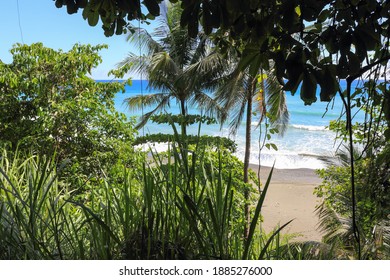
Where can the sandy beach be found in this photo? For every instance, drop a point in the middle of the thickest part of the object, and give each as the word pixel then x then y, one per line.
pixel 290 196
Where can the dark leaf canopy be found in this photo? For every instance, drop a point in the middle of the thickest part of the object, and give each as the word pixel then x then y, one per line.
pixel 114 14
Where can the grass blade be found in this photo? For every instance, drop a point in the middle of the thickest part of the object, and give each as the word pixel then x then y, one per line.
pixel 256 216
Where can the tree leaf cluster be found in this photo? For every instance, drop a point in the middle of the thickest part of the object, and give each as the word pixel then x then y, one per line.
pixel 311 42
pixel 203 140
pixel 169 118
pixel 48 105
pixel 115 15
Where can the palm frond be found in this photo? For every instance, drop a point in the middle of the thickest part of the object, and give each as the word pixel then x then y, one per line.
pixel 177 42
pixel 237 117
pixel 171 15
pixel 336 229
pixel 160 106
pixel 276 103
pixel 162 29
pixel 233 95
pixel 209 105
pixel 202 48
pixel 206 72
pixel 386 237
pixel 136 64
pixel 181 47
pixel 312 250
pixel 143 40
pixel 163 65
pixel 232 90
pixel 344 154
pixel 139 101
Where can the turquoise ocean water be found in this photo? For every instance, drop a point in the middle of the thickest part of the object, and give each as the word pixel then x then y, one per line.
pixel 305 140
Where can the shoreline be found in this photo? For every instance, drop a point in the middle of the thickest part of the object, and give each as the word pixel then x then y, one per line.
pixel 290 197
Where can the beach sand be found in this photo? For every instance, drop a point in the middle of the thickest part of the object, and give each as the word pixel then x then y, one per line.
pixel 290 196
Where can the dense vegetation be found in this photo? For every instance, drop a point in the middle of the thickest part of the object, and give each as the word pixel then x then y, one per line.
pixel 372 179
pixel 48 105
pixel 153 210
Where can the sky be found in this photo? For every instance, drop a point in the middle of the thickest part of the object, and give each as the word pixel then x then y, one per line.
pixel 42 21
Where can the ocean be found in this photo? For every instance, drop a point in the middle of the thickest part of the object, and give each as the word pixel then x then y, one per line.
pixel 305 142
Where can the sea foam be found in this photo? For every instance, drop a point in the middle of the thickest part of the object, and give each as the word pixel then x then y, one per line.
pixel 309 127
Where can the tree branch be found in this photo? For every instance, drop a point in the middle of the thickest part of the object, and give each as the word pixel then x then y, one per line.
pixel 367 67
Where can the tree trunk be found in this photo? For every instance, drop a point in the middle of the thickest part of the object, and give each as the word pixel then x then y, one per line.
pixel 183 138
pixel 183 113
pixel 247 156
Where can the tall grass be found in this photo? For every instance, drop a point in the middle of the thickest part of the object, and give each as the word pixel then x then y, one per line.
pixel 36 220
pixel 172 206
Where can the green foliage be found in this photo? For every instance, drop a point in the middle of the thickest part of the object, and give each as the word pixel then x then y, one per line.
pixel 371 178
pixel 203 140
pixel 230 166
pixel 370 97
pixel 180 119
pixel 48 104
pixel 36 221
pixel 113 14
pixel 155 212
pixel 311 42
pixel 336 183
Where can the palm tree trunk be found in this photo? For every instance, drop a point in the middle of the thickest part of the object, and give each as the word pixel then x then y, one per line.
pixel 248 135
pixel 247 139
pixel 183 113
pixel 184 145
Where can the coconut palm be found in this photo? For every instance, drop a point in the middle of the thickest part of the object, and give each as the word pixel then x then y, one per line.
pixel 241 93
pixel 183 69
pixel 167 53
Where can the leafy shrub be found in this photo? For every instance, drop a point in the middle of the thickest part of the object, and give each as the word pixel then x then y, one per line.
pixel 372 183
pixel 50 105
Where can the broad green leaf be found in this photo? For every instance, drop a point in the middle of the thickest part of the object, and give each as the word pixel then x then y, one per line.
pixel 329 85
pixel 152 7
pixel 309 87
pixel 93 18
pixel 342 67
pixel 298 10
pixel 354 63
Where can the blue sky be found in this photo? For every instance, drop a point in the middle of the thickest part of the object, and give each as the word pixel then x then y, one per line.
pixel 41 21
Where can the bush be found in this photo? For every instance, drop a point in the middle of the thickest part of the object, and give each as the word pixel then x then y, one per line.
pixel 49 105
pixel 372 183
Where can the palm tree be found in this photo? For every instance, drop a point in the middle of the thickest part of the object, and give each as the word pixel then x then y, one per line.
pixel 168 52
pixel 183 68
pixel 239 92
